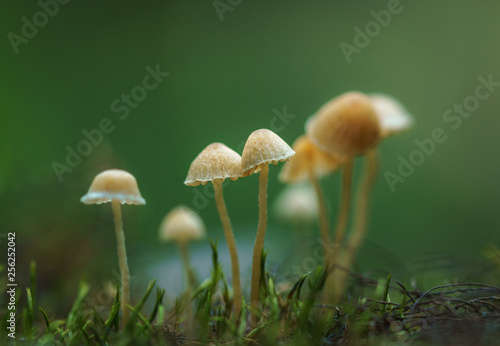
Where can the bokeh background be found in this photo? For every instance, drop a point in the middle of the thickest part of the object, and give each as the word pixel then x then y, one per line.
pixel 229 73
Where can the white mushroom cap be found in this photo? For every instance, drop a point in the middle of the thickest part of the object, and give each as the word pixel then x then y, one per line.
pixel 297 204
pixel 216 161
pixel 263 147
pixel 392 115
pixel 113 184
pixel 182 224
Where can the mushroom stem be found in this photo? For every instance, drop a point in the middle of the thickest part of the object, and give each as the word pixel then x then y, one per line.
pixel 231 244
pixel 122 259
pixel 363 205
pixel 340 228
pixel 183 246
pixel 323 217
pixel 344 209
pixel 362 211
pixel 259 240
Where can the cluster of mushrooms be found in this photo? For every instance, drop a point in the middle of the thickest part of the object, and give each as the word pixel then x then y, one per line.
pixel 348 126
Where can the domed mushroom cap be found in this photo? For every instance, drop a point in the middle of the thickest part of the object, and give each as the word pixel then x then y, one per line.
pixel 393 117
pixel 182 224
pixel 347 125
pixel 263 147
pixel 216 161
pixel 113 184
pixel 297 204
pixel 309 159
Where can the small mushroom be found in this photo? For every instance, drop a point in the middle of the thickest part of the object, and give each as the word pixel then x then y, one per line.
pixel 309 160
pixel 311 163
pixel 347 126
pixel 297 204
pixel 182 225
pixel 394 119
pixel 214 164
pixel 118 187
pixel 262 148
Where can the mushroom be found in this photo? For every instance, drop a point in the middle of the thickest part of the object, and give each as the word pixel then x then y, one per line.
pixel 297 204
pixel 311 163
pixel 347 125
pixel 118 187
pixel 183 225
pixel 262 148
pixel 214 164
pixel 394 119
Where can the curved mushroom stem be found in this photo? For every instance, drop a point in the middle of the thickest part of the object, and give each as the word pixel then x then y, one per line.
pixel 362 211
pixel 259 240
pixel 183 246
pixel 323 218
pixel 231 244
pixel 122 259
pixel 345 204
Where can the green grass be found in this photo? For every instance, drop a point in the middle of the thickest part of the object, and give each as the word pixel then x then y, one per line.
pixel 374 312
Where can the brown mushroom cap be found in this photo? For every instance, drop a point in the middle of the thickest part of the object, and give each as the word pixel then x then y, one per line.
pixel 216 161
pixel 308 159
pixel 182 224
pixel 113 184
pixel 263 147
pixel 392 115
pixel 346 125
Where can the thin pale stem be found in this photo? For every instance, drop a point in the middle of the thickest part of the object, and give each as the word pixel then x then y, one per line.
pixel 362 212
pixel 183 246
pixel 231 244
pixel 345 204
pixel 363 204
pixel 323 218
pixel 259 240
pixel 122 259
pixel 340 228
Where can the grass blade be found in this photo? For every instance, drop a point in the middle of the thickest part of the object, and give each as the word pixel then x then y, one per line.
pixel 138 307
pixel 47 322
pixel 317 285
pixel 297 287
pixel 75 313
pixel 159 301
pixel 386 293
pixel 113 318
pixel 28 315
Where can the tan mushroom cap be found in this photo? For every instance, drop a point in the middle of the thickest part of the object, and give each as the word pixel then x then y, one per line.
pixel 392 115
pixel 263 147
pixel 347 125
pixel 113 184
pixel 181 224
pixel 216 161
pixel 308 159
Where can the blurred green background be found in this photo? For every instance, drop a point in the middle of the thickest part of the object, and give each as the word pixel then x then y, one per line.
pixel 226 78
